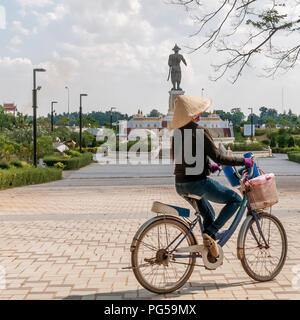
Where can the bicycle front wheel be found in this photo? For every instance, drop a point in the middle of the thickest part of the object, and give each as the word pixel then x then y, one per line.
pixel 153 265
pixel 264 261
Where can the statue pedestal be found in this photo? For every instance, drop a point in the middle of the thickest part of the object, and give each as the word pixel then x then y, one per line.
pixel 173 94
pixel 166 145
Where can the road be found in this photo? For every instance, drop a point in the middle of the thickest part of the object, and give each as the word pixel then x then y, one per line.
pixel 287 173
pixel 70 239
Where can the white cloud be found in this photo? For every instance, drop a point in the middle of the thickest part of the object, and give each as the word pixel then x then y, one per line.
pixel 117 51
pixel 57 14
pixel 19 28
pixel 35 3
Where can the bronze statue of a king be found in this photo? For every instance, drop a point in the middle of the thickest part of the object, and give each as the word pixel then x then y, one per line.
pixel 175 69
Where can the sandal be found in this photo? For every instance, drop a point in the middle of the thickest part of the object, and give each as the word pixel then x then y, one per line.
pixel 211 244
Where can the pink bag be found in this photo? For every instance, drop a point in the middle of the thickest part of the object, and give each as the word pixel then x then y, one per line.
pixel 262 191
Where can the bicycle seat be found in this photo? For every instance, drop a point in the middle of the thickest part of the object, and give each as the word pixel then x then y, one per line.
pixel 159 207
pixel 191 199
pixel 191 196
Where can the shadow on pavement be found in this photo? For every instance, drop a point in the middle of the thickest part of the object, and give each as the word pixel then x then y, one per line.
pixel 188 289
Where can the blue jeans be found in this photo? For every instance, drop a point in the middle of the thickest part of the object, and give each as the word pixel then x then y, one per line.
pixel 214 191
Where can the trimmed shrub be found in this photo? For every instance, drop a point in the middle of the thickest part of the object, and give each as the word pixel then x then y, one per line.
pixel 285 150
pixel 282 141
pixel 291 142
pixel 294 156
pixel 18 177
pixel 74 163
pixel 265 142
pixel 4 165
pixel 256 146
pixel 259 132
pixel 17 164
pixel 297 141
pixel 59 165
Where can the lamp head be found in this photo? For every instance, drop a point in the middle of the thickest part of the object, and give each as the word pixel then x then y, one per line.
pixel 40 70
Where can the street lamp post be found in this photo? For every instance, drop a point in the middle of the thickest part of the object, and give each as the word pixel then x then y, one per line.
pixel 52 115
pixel 80 120
pixel 111 110
pixel 251 123
pixel 34 106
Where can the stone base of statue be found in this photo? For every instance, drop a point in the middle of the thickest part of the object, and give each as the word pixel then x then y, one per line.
pixel 166 145
pixel 172 96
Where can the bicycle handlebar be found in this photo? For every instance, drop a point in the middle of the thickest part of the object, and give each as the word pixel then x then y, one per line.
pixel 246 175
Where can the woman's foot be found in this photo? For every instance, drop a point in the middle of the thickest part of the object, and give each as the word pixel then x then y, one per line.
pixel 211 244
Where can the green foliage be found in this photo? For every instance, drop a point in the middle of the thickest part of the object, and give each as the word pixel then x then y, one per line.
pixel 238 134
pixel 72 163
pixel 62 121
pixel 59 165
pixel 291 142
pixel 297 141
pixel 273 141
pixel 282 140
pixel 44 146
pixel 4 165
pixel 285 149
pixel 154 113
pixel 62 133
pixel 16 164
pixel 294 156
pixel 266 142
pixel 260 132
pixel 17 177
pixel 246 146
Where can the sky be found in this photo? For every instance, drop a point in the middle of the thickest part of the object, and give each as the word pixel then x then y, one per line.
pixel 117 52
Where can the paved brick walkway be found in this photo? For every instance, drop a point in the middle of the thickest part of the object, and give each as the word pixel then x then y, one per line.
pixel 61 242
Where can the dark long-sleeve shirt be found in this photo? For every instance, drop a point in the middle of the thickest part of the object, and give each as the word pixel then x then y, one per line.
pixel 210 151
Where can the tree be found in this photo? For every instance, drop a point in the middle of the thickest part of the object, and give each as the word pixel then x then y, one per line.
pixel 237 116
pixel 44 146
pixel 256 119
pixel 154 113
pixel 291 142
pixel 63 122
pixel 273 142
pixel 270 123
pixel 62 133
pixel 244 29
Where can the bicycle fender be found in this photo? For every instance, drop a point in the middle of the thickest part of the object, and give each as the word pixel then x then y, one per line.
pixel 152 220
pixel 241 237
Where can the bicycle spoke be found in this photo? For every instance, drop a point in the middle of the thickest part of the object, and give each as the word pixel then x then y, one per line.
pixel 156 246
pixel 261 261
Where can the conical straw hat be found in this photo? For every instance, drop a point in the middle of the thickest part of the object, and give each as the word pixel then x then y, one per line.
pixel 187 108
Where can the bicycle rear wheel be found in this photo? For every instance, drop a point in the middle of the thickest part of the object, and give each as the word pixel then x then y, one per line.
pixel 155 269
pixel 261 262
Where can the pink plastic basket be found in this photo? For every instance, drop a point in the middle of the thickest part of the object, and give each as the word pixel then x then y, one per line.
pixel 262 191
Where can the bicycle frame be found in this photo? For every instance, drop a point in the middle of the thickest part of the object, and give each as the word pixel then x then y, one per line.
pixel 224 236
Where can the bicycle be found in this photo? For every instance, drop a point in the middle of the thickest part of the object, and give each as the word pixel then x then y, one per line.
pixel 164 249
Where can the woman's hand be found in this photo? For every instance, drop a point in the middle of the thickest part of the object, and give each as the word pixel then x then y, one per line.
pixel 249 163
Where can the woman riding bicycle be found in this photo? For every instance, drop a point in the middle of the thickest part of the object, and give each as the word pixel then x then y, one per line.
pixel 185 122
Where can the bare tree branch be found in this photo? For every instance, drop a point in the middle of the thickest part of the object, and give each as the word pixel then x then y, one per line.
pixel 243 29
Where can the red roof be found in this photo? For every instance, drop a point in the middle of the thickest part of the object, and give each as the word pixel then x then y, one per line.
pixel 9 106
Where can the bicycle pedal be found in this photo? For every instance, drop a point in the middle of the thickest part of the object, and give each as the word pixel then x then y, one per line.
pixel 195 248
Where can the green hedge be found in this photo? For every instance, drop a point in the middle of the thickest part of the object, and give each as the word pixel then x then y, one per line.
pixel 10 178
pixel 285 150
pixel 294 156
pixel 246 146
pixel 74 163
